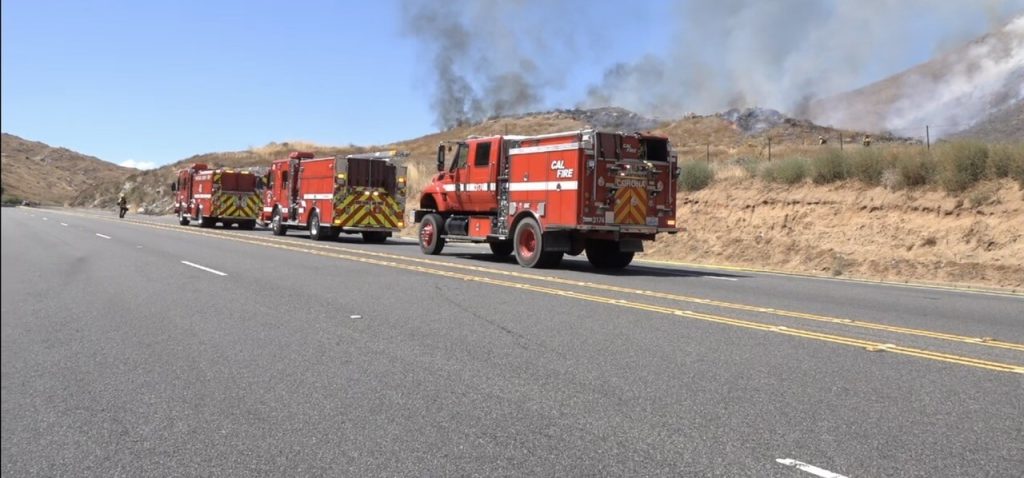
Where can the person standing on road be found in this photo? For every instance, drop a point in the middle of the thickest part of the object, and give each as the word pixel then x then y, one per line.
pixel 122 205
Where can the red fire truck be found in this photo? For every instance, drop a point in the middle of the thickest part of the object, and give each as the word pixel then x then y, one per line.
pixel 210 196
pixel 541 197
pixel 359 193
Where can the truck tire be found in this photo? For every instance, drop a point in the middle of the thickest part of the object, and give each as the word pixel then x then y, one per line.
pixel 375 237
pixel 182 218
pixel 431 241
pixel 604 254
pixel 316 231
pixel 203 221
pixel 501 249
pixel 529 246
pixel 277 224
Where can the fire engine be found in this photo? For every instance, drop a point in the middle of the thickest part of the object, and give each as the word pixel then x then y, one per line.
pixel 541 197
pixel 356 194
pixel 209 196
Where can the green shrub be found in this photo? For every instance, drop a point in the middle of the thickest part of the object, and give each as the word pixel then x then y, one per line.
pixel 695 175
pixel 867 166
pixel 961 164
pixel 1005 159
pixel 1017 171
pixel 749 165
pixel 914 168
pixel 828 167
pixel 786 171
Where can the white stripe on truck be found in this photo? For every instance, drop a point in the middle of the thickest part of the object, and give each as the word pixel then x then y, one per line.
pixel 544 149
pixel 544 186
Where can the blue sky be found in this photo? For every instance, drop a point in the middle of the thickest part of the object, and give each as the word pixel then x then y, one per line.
pixel 155 82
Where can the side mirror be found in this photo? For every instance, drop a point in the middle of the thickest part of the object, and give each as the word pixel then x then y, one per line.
pixel 174 187
pixel 440 157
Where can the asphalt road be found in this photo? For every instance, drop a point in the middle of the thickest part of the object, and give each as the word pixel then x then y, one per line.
pixel 139 347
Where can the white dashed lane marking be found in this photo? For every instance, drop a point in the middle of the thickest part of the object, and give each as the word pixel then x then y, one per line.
pixel 207 269
pixel 823 473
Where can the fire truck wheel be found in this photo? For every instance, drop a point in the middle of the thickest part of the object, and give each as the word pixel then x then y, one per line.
pixel 182 219
pixel 501 249
pixel 606 254
pixel 203 221
pixel 375 237
pixel 316 231
pixel 528 245
pixel 276 224
pixel 431 241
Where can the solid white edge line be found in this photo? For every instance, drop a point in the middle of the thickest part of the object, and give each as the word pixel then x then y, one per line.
pixel 103 236
pixel 207 269
pixel 64 224
pixel 721 278
pixel 823 473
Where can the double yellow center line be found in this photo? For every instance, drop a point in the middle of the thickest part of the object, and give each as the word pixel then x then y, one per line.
pixel 411 264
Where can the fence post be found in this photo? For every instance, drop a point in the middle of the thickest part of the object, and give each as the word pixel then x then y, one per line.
pixel 928 137
pixel 769 149
pixel 709 152
pixel 840 140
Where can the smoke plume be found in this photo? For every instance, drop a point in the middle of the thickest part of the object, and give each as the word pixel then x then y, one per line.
pixel 482 63
pixel 500 57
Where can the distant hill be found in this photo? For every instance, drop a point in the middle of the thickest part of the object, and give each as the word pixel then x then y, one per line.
pixel 40 173
pixel 956 91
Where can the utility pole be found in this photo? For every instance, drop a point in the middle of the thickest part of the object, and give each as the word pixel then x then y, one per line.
pixel 928 137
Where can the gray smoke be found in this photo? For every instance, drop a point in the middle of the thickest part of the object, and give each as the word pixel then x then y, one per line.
pixel 783 53
pixel 502 57
pixel 481 62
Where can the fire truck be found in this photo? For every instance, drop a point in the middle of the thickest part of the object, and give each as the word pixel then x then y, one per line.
pixel 356 194
pixel 209 196
pixel 541 197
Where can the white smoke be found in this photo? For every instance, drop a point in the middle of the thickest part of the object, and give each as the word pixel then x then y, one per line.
pixel 785 53
pixel 986 76
pixel 498 57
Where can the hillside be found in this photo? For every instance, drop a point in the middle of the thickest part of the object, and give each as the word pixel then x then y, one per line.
pixel 955 91
pixel 853 230
pixel 1006 124
pixel 43 174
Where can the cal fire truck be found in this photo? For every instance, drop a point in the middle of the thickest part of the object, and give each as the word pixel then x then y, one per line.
pixel 541 197
pixel 356 194
pixel 209 196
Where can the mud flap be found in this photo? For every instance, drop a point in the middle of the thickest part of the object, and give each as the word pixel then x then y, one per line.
pixel 631 245
pixel 557 242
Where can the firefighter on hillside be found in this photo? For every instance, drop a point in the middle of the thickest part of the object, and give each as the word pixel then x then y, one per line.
pixel 122 205
pixel 867 140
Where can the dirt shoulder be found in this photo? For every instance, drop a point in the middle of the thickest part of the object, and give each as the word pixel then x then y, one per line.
pixel 850 230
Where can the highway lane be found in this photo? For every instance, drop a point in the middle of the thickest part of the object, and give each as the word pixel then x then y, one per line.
pixel 118 358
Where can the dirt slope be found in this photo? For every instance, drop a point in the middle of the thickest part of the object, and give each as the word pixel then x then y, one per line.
pixel 48 175
pixel 851 230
